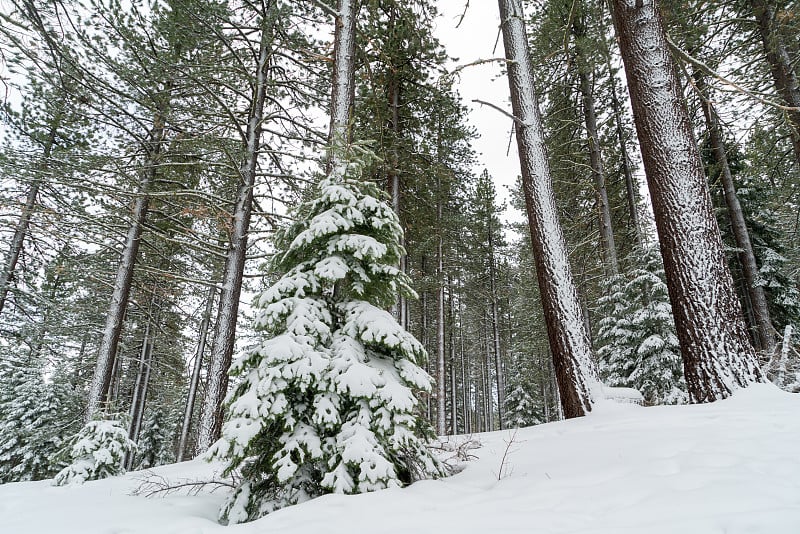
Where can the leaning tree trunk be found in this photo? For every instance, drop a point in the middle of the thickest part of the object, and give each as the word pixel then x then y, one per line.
pixel 569 339
pixel 765 337
pixel 607 244
pixel 106 356
pixel 717 354
pixel 210 424
pixel 21 230
pixel 783 74
pixel 186 423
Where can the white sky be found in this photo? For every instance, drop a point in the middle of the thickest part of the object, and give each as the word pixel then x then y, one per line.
pixel 475 39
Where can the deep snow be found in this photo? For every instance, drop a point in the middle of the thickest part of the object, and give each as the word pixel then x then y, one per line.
pixel 728 467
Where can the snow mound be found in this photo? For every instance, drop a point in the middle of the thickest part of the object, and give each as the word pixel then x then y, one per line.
pixel 728 467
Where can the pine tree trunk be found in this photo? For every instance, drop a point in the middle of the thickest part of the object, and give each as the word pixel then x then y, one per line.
pixel 140 392
pixel 344 62
pixel 717 354
pixel 465 385
pixel 631 194
pixel 186 423
pixel 607 244
pixel 758 300
pixel 441 415
pixel 488 360
pixel 210 424
pixel 21 230
pixel 783 74
pixel 122 285
pixel 569 339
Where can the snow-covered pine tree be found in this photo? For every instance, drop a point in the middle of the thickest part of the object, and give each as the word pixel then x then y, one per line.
pixel 33 423
pixel 523 405
pixel 637 343
pixel 97 451
pixel 615 340
pixel 325 404
pixel 154 447
pixel 658 373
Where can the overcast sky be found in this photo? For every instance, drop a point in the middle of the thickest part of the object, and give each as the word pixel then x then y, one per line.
pixel 475 39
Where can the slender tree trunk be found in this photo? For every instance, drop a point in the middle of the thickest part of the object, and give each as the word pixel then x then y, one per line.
pixel 452 350
pixel 495 321
pixel 122 285
pixel 607 244
pixel 210 424
pixel 717 354
pixel 569 339
pixel 21 230
pixel 441 416
pixel 627 163
pixel 140 392
pixel 758 300
pixel 783 74
pixel 465 385
pixel 186 424
pixel 487 364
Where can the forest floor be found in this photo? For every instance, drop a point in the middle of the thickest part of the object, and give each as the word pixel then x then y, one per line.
pixel 728 467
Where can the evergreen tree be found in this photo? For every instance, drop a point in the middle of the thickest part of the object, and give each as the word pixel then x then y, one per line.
pixel 34 420
pixel 636 341
pixel 326 403
pixel 97 451
pixel 154 447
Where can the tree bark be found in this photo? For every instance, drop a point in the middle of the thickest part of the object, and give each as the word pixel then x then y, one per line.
pixel 186 424
pixel 607 244
pixel 21 230
pixel 441 416
pixel 717 354
pixel 122 284
pixel 210 424
pixel 783 75
pixel 344 61
pixel 765 338
pixel 569 340
pixel 140 392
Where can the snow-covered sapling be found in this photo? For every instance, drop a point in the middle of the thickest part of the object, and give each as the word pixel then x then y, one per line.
pixel 325 403
pixel 96 452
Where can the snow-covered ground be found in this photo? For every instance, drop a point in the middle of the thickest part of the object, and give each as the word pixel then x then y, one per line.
pixel 728 467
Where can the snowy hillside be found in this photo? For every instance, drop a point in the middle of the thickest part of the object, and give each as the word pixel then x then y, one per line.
pixel 728 467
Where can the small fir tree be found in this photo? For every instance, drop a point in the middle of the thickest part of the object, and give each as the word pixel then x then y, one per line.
pixel 33 422
pixel 97 451
pixel 155 442
pixel 325 404
pixel 637 343
pixel 523 406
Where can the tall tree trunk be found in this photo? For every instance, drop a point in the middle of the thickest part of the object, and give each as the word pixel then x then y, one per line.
pixel 344 61
pixel 717 354
pixel 758 300
pixel 627 163
pixel 210 423
pixel 21 230
pixel 465 385
pixel 195 379
pixel 122 284
pixel 140 392
pixel 569 339
pixel 495 321
pixel 783 74
pixel 441 416
pixel 607 244
pixel 487 365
